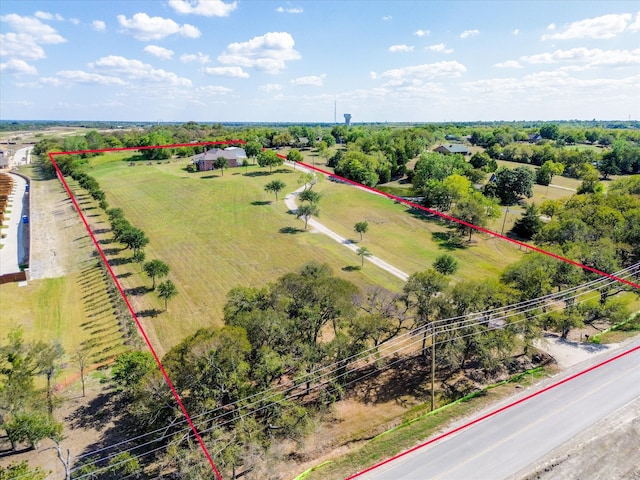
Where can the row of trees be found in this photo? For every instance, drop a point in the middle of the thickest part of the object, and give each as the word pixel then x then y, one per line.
pixel 279 338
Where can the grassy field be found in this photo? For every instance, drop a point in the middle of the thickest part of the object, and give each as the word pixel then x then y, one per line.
pixel 219 231
pixel 69 310
pixel 215 232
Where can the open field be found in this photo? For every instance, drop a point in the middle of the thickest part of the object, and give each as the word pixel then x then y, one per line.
pixel 215 232
pixel 219 231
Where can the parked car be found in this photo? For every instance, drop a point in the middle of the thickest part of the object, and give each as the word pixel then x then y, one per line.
pixel 25 219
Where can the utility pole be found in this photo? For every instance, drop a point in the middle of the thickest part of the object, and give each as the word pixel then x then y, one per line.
pixel 433 366
pixel 504 221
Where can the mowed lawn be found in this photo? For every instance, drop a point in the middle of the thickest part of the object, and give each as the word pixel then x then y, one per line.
pixel 215 232
pixel 407 240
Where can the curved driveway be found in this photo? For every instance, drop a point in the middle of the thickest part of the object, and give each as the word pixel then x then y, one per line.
pixel 290 202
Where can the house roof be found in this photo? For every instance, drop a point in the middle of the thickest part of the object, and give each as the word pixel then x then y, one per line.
pixel 454 148
pixel 230 153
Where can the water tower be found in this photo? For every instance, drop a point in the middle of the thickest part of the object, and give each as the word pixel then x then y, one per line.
pixel 347 119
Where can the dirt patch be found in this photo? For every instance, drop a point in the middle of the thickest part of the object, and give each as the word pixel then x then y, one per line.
pixel 55 227
pixel 88 421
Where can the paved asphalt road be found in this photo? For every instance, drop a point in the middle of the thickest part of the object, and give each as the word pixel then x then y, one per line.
pixel 14 249
pixel 508 442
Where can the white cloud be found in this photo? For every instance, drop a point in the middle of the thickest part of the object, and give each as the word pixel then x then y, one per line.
pixel 48 16
pixel 289 10
pixel 79 76
pixel 439 47
pixel 508 64
pixel 387 18
pixel 270 87
pixel 589 58
pixel 192 57
pixel 422 33
pixel 234 72
pixel 414 75
pixel 40 32
pixel 401 48
pixel 213 90
pixel 99 25
pixel 75 21
pixel 268 52
pixel 143 27
pixel 206 8
pixel 137 70
pixel 636 24
pixel 311 80
pixel 606 26
pixel 551 26
pixel 515 32
pixel 160 52
pixel 21 45
pixel 544 85
pixel 469 33
pixel 18 66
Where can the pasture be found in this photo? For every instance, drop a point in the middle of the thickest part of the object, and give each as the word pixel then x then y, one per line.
pixel 220 231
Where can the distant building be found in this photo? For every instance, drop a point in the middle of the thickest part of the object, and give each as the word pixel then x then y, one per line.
pixel 453 148
pixel 4 159
pixel 347 119
pixel 236 157
pixel 534 137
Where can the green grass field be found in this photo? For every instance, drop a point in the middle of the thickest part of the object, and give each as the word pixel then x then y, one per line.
pixel 217 232
pixel 69 310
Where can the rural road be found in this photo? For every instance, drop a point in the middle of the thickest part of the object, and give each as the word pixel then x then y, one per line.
pixel 507 443
pixel 14 247
pixel 22 157
pixel 290 202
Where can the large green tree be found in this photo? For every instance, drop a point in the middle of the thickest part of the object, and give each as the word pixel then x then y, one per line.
pixel 275 186
pixel 155 269
pixel 166 291
pixel 269 158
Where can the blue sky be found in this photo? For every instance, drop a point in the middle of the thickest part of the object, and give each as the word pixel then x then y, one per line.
pixel 417 61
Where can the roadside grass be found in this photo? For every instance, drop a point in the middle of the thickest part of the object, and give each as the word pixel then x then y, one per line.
pixel 417 426
pixel 71 310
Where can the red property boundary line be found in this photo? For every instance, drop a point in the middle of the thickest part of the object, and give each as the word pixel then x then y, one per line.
pixel 494 412
pixel 176 395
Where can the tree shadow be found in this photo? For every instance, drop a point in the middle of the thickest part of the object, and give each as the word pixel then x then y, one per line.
pixel 448 241
pixel 204 177
pixel 256 174
pixel 114 262
pixel 124 275
pixel 112 251
pixel 150 312
pixel 259 203
pixel 291 230
pixel 351 268
pixel 136 291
